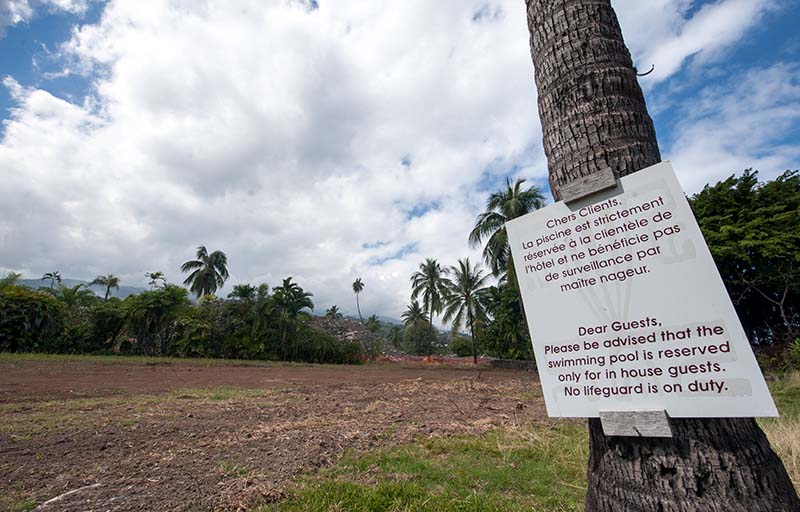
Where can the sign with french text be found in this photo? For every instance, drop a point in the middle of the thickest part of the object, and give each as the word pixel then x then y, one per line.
pixel 627 310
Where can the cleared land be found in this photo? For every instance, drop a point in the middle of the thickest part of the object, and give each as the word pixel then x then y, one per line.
pixel 137 434
pixel 175 435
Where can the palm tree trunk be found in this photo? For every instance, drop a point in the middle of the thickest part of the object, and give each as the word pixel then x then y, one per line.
pixel 474 341
pixel 108 290
pixel 358 307
pixel 512 281
pixel 594 117
pixel 430 322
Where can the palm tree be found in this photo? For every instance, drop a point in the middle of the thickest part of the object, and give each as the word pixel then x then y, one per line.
pixel 501 207
pixel 155 277
pixel 54 277
pixel 416 328
pixel 209 272
pixel 463 299
pixel 414 314
pixel 358 287
pixel 109 281
pixel 594 118
pixel 77 295
pixel 373 324
pixel 430 282
pixel 244 292
pixel 333 312
pixel 290 302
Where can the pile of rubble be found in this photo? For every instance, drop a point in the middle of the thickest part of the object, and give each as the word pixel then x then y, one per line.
pixel 345 329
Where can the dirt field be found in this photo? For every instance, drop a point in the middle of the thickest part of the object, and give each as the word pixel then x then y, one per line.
pixel 186 436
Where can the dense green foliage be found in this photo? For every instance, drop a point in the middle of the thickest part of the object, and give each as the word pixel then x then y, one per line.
pixel 254 324
pixel 502 334
pixel 28 319
pixel 753 231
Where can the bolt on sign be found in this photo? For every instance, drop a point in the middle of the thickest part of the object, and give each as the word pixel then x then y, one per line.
pixel 627 310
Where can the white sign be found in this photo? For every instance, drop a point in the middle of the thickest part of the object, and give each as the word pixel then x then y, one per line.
pixel 626 308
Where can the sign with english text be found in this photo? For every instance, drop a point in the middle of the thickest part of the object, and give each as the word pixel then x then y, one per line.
pixel 627 310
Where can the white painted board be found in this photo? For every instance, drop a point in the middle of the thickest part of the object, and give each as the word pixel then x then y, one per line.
pixel 627 310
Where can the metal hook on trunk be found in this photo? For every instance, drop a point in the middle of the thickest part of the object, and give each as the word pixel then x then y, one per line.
pixel 652 67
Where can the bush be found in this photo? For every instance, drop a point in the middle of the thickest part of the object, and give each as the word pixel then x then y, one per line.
pixel 316 346
pixel 794 353
pixel 152 315
pixel 461 346
pixel 29 320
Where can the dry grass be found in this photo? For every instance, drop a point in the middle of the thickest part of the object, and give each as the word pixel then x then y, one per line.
pixel 784 432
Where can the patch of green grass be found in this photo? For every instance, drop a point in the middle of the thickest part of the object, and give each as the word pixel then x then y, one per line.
pixel 235 470
pixel 33 356
pixel 22 506
pixel 517 469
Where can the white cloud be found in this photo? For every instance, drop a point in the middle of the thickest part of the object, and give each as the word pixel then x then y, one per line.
pixel 349 141
pixel 661 33
pixel 740 124
pixel 275 134
pixel 22 11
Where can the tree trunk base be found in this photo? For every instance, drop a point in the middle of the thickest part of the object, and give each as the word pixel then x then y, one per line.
pixel 710 465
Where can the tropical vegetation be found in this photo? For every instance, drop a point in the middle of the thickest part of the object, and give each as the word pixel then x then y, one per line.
pixel 752 229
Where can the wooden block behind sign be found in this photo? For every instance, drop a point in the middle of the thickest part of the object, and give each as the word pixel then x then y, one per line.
pixel 636 423
pixel 588 185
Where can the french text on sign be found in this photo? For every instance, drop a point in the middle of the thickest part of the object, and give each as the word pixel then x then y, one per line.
pixel 627 310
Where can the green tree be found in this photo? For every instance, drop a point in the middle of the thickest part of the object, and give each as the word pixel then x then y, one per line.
pixel 291 301
pixel 155 277
pixel 54 277
pixel 244 292
pixel 30 321
pixel 109 281
pixel 463 299
pixel 416 335
pixel 333 312
pixel 500 334
pixel 373 324
pixel 358 287
pixel 429 282
pixel 395 336
pixel 502 206
pixel 208 272
pixel 753 232
pixel 152 315
pixel 78 295
pixel 414 314
pixel 9 280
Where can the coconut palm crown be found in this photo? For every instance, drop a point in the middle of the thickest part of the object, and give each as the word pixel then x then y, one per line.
pixel 109 281
pixel 208 272
pixel 502 206
pixel 463 299
pixel 358 287
pixel 429 282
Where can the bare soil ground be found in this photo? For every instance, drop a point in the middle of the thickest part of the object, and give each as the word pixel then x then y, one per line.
pixel 187 436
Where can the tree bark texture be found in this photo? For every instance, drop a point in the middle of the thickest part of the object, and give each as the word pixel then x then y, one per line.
pixel 594 116
pixel 591 106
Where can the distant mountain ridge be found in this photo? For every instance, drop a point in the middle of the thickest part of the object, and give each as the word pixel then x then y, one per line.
pixel 100 291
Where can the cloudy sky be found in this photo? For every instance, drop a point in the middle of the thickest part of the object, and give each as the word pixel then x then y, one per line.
pixel 333 139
